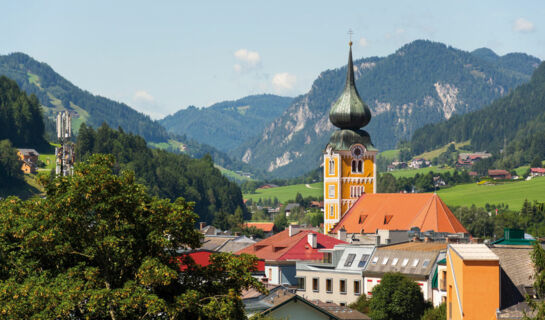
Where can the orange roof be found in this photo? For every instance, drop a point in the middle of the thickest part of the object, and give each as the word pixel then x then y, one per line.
pixel 282 247
pixel 399 211
pixel 265 226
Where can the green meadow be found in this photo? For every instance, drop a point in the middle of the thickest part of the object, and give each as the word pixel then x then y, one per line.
pixel 288 192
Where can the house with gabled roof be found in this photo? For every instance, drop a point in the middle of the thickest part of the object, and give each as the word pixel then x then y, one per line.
pixel 282 250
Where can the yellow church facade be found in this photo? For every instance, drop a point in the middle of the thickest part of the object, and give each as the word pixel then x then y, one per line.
pixel 349 157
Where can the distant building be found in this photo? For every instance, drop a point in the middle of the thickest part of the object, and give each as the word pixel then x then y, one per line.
pixel 466 160
pixel 419 163
pixel 224 243
pixel 537 172
pixel 267 227
pixel 29 158
pixel 499 174
pixel 267 186
pixel 290 207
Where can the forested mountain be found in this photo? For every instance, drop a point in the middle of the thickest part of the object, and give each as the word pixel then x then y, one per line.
pixel 166 174
pixel 422 82
pixel 516 121
pixel 57 93
pixel 227 124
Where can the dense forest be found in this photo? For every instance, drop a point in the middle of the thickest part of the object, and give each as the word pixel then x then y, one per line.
pixel 515 122
pixel 166 174
pixel 226 125
pixel 20 117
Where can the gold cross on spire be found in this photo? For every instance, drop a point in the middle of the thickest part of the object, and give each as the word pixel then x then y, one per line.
pixel 350 33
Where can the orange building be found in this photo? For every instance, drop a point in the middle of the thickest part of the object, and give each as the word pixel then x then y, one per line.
pixel 29 157
pixel 473 282
pixel 399 211
pixel 349 157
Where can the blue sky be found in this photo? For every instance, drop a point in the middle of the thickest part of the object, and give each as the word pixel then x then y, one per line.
pixel 161 56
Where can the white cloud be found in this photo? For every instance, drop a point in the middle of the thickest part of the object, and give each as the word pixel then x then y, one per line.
pixel 246 60
pixel 143 96
pixel 363 42
pixel 523 25
pixel 284 81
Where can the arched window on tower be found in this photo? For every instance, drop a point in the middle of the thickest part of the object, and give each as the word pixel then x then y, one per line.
pixel 360 166
pixel 354 165
pixel 331 167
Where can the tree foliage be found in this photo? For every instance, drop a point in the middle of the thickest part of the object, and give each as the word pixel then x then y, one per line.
pixel 99 247
pixel 439 313
pixel 397 297
pixel 10 166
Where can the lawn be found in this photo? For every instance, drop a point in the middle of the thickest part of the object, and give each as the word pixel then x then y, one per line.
pixel 288 192
pixel 511 193
pixel 232 175
pixel 391 155
pixel 43 158
pixel 405 173
pixel 435 153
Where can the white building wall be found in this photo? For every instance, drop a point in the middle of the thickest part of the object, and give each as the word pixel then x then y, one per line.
pixel 371 282
pixel 273 274
pixel 335 295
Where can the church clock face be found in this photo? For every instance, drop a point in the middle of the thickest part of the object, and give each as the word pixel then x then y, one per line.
pixel 357 152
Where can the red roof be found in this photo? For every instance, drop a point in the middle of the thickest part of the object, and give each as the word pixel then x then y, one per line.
pixel 537 170
pixel 498 172
pixel 399 211
pixel 265 226
pixel 281 246
pixel 202 258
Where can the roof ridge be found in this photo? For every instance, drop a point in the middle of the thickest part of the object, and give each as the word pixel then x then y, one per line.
pixel 426 210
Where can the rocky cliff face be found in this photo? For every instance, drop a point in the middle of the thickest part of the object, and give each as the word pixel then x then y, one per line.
pixel 423 82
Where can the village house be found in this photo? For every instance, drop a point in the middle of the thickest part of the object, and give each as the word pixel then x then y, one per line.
pixel 419 163
pixel 266 227
pixel 466 160
pixel 415 260
pixel 537 172
pixel 282 250
pixel 499 174
pixel 29 157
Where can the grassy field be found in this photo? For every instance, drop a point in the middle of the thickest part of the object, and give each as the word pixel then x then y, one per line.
pixel 44 158
pixel 231 174
pixel 412 172
pixel 391 155
pixel 435 153
pixel 511 193
pixel 288 192
pixel 175 144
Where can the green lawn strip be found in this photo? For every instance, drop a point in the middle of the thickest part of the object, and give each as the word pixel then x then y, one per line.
pixel 288 192
pixel 435 153
pixel 511 193
pixel 391 155
pixel 405 173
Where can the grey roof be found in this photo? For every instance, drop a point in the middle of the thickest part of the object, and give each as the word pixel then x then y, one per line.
pixel 341 254
pixel 414 263
pixel 214 243
pixel 344 139
pixel 290 206
pixel 474 252
pixel 28 151
pixel 237 244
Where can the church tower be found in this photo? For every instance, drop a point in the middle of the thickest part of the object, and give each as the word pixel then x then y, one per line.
pixel 349 157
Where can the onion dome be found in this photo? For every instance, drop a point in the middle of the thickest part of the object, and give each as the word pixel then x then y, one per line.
pixel 349 111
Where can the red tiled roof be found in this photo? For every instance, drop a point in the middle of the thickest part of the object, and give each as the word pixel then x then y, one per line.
pixel 399 211
pixel 281 246
pixel 497 172
pixel 538 170
pixel 265 226
pixel 202 258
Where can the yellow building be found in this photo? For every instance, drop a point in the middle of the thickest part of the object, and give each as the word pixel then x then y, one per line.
pixel 473 282
pixel 349 157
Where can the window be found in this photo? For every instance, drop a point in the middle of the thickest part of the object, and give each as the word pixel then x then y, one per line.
pixel 357 287
pixel 353 165
pixel 394 262
pixel 301 283
pixel 332 212
pixel 331 167
pixel 405 261
pixel 329 285
pixel 375 260
pixel 342 286
pixel 357 166
pixel 360 166
pixel 388 218
pixel 342 304
pixel 415 262
pixel 362 218
pixel 331 191
pixel 425 263
pixel 385 260
pixel 327 257
pixel 363 260
pixel 315 284
pixel 349 260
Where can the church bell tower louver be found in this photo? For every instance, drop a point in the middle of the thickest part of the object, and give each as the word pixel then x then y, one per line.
pixel 349 157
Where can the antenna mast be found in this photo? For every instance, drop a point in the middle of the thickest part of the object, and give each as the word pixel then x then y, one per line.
pixel 64 153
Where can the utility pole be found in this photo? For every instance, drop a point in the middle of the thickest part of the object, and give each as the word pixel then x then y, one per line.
pixel 64 153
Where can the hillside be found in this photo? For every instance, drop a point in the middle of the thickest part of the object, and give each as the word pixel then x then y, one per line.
pixel 422 82
pixel 516 121
pixel 56 93
pixel 227 124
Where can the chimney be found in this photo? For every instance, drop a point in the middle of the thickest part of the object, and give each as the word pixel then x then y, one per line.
pixel 341 234
pixel 312 239
pixel 202 225
pixel 293 230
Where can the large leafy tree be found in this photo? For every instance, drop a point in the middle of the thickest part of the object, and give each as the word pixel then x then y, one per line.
pixel 99 247
pixel 397 297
